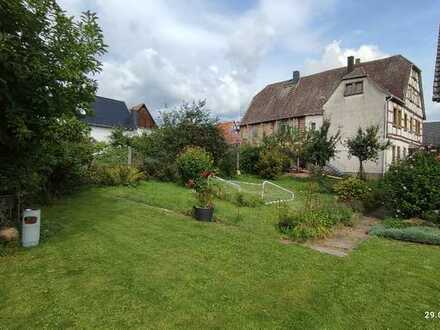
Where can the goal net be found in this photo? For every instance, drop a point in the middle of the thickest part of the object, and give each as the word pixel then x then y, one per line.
pixel 266 191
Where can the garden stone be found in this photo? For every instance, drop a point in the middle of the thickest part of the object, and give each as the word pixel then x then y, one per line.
pixel 9 234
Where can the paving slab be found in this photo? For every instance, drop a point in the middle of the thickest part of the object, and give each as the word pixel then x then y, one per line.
pixel 344 240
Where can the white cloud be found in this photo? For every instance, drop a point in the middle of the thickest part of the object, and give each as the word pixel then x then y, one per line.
pixel 164 52
pixel 335 56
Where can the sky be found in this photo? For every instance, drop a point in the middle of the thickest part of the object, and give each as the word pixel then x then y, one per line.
pixel 163 53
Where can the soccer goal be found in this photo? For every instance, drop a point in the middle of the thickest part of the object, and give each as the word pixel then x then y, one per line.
pixel 267 191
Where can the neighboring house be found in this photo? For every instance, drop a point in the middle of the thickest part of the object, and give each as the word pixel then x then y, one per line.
pixel 431 134
pixel 231 132
pixel 436 94
pixel 110 114
pixel 386 92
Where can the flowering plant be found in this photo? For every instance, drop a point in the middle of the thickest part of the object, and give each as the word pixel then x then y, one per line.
pixel 204 192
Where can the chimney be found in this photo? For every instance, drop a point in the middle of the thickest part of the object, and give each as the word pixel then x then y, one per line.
pixel 358 61
pixel 350 64
pixel 295 77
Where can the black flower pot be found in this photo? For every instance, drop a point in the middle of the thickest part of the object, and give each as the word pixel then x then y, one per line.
pixel 203 214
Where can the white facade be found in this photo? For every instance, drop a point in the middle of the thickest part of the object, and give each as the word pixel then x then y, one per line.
pixel 100 134
pixel 397 122
pixel 348 113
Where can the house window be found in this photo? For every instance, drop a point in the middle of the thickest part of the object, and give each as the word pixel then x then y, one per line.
pixel 312 126
pixel 354 88
pixel 398 153
pixel 394 153
pixel 406 122
pixel 253 132
pixel 404 153
pixel 418 128
pixel 411 128
pixel 397 118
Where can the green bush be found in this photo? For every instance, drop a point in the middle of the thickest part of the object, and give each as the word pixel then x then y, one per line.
pixel 106 154
pixel 116 175
pixel 350 189
pixel 192 162
pixel 228 164
pixel 68 154
pixel 432 216
pixel 316 222
pixel 271 164
pixel 412 186
pixel 160 169
pixel 426 235
pixel 374 199
pixel 249 157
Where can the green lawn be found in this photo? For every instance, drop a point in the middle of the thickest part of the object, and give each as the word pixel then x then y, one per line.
pixel 111 258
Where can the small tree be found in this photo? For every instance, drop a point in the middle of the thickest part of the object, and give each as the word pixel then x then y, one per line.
pixel 365 145
pixel 294 143
pixel 321 147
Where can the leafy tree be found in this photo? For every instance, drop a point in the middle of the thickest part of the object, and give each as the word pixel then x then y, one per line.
pixel 366 145
pixel 320 147
pixel 190 125
pixel 294 142
pixel 47 61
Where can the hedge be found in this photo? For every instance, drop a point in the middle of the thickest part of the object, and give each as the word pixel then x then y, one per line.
pixel 419 234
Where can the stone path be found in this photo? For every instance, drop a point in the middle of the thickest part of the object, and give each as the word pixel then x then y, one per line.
pixel 344 240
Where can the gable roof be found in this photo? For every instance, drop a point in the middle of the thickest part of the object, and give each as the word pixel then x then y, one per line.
pixel 436 94
pixel 431 133
pixel 229 131
pixel 110 113
pixel 135 111
pixel 307 97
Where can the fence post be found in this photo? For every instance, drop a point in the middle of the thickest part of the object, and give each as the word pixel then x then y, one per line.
pixel 129 155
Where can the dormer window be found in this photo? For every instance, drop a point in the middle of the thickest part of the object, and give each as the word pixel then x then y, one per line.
pixel 354 88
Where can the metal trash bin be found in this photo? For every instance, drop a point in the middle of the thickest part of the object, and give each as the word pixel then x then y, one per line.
pixel 30 227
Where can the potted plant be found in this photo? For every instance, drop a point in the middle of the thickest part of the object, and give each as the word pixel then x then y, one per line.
pixel 204 209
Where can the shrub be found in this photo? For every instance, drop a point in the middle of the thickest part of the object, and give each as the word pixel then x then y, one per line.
pixel 249 157
pixel 116 175
pixel 374 199
pixel 192 162
pixel 432 216
pixel 412 186
pixel 106 154
pixel 271 164
pixel 427 235
pixel 228 165
pixel 316 222
pixel 204 191
pixel 351 189
pixel 160 169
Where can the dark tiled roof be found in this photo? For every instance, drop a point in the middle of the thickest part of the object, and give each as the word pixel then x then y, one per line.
pixel 285 99
pixel 111 113
pixel 436 94
pixel 431 133
pixel 232 136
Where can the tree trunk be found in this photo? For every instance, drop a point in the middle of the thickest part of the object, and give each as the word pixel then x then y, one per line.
pixel 361 170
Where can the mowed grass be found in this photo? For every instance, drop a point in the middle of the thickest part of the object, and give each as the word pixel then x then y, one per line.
pixel 118 258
